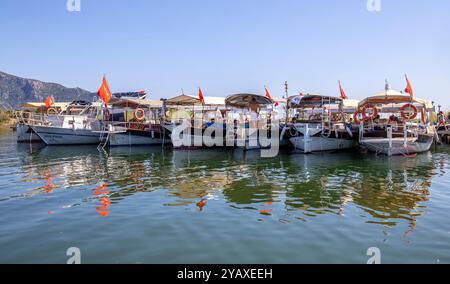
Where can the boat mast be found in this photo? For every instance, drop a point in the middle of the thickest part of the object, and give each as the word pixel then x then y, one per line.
pixel 286 91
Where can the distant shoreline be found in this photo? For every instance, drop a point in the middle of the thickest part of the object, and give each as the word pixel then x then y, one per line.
pixel 5 120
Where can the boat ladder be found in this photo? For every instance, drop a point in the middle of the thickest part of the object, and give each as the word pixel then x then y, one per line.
pixel 104 137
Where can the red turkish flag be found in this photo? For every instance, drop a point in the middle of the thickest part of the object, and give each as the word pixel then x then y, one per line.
pixel 269 96
pixel 409 88
pixel 49 102
pixel 341 90
pixel 104 93
pixel 200 96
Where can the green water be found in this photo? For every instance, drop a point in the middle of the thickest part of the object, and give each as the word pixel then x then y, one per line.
pixel 144 205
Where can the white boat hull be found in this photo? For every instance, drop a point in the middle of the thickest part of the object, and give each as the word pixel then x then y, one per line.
pixel 128 139
pixel 26 135
pixel 193 141
pixel 319 144
pixel 66 136
pixel 230 140
pixel 382 146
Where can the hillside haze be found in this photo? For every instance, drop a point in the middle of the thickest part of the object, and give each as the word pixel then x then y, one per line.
pixel 15 91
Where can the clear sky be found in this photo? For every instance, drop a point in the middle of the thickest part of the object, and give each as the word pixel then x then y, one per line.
pixel 228 46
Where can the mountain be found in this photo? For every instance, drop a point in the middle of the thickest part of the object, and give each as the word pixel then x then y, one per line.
pixel 15 91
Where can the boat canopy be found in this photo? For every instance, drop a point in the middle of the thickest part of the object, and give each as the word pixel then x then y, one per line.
pixel 308 101
pixel 36 105
pixel 186 100
pixel 350 103
pixel 395 98
pixel 349 106
pixel 244 100
pixel 134 102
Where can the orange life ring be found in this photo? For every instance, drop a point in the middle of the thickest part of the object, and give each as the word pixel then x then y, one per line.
pixel 374 114
pixel 52 111
pixel 409 116
pixel 139 114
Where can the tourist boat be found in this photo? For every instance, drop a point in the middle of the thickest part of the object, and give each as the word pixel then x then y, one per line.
pixel 30 113
pixel 246 112
pixel 71 127
pixel 186 119
pixel 318 124
pixel 396 124
pixel 24 132
pixel 134 122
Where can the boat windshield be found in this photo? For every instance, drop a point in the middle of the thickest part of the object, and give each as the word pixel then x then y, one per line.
pixel 314 109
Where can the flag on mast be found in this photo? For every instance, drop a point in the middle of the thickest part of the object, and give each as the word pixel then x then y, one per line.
pixel 269 96
pixel 104 93
pixel 49 101
pixel 200 96
pixel 409 88
pixel 341 90
pixel 387 86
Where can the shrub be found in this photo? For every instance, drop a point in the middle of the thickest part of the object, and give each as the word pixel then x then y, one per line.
pixel 4 116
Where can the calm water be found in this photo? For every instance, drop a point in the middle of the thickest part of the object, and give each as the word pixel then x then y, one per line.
pixel 145 205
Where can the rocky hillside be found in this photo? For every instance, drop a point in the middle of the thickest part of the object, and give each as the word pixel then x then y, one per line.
pixel 15 91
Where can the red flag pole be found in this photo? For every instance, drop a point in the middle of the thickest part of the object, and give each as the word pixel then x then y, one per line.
pixel 409 88
pixel 341 90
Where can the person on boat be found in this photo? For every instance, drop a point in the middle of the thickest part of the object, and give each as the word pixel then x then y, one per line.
pixel 377 123
pixel 326 114
pixel 254 105
pixel 296 118
pixel 441 121
pixel 211 122
pixel 393 119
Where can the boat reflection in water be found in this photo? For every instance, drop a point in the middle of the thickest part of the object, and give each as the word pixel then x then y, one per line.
pixel 386 190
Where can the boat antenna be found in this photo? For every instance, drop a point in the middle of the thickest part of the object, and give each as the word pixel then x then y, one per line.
pixel 387 87
pixel 286 88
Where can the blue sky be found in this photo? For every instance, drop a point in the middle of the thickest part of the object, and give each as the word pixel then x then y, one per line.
pixel 228 46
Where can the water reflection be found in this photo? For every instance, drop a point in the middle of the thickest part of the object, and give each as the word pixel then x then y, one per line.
pixel 103 193
pixel 385 190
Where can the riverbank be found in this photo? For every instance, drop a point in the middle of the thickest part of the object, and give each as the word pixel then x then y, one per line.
pixel 5 120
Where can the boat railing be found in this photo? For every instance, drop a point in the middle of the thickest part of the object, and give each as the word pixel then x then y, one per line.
pixel 405 130
pixel 30 118
pixel 136 125
pixel 57 120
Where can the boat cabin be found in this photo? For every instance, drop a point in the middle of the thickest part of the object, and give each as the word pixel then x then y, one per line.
pixel 313 108
pixel 395 123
